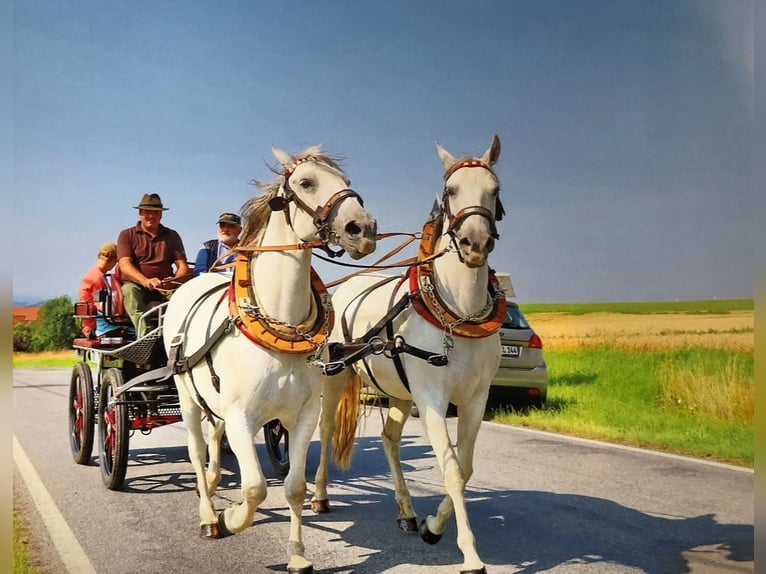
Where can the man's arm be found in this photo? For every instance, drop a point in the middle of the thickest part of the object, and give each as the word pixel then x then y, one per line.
pixel 131 273
pixel 182 269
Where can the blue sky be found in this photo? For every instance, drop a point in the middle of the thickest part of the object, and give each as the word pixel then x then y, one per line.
pixel 627 128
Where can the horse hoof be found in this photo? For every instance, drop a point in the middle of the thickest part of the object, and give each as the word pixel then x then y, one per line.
pixel 209 531
pixel 408 524
pixel 320 506
pixel 481 570
pixel 305 570
pixel 427 536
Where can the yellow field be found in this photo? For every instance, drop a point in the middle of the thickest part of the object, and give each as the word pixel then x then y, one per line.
pixel 732 331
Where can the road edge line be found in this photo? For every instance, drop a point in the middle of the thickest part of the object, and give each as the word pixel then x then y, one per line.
pixel 64 540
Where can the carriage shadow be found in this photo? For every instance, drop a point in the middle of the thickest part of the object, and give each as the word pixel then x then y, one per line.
pixel 140 479
pixel 523 531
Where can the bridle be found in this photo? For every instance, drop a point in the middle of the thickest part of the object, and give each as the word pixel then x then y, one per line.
pixel 319 216
pixel 456 220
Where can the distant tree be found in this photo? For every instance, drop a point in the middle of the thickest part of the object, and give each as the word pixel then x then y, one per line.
pixel 56 327
pixel 22 337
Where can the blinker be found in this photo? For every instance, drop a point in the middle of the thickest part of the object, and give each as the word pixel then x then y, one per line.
pixel 278 203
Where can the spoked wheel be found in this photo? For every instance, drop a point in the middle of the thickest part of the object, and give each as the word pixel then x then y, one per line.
pixel 277 446
pixel 81 406
pixel 113 431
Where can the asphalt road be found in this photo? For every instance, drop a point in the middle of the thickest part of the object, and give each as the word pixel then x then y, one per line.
pixel 538 502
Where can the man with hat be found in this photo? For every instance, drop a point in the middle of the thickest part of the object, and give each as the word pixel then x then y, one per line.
pixel 216 254
pixel 147 254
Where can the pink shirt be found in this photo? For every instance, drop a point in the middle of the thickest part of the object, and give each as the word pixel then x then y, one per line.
pixel 93 282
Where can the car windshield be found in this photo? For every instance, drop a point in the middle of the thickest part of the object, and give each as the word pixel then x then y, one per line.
pixel 515 319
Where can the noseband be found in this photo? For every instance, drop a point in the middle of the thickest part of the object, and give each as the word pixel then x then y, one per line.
pixel 319 216
pixel 457 219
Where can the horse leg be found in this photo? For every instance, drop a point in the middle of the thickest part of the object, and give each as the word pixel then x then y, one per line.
pixel 239 517
pixel 213 474
pixel 295 486
pixel 454 481
pixel 398 412
pixel 192 416
pixel 332 390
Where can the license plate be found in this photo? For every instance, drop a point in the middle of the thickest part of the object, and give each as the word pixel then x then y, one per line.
pixel 511 350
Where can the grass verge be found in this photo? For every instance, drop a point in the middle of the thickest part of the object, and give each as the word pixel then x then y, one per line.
pixel 697 402
pixel 21 561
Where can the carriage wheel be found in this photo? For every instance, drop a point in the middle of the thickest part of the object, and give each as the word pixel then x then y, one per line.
pixel 277 446
pixel 81 406
pixel 113 429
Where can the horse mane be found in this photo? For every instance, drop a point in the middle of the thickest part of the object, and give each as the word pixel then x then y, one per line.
pixel 256 211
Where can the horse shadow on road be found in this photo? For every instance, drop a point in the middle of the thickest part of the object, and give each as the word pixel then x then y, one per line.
pixel 516 531
pixel 522 531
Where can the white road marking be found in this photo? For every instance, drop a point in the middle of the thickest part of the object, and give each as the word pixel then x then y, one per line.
pixel 69 549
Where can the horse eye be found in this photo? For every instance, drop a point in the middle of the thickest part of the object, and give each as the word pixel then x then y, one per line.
pixel 449 190
pixel 305 183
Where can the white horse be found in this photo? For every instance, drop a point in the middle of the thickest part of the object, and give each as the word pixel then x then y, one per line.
pixel 247 350
pixel 428 337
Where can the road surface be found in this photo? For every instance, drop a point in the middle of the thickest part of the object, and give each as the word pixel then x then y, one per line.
pixel 538 502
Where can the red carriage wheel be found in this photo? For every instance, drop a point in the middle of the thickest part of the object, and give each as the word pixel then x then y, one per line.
pixel 113 431
pixel 81 407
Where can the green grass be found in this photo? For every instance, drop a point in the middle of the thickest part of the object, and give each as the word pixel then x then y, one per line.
pixel 60 360
pixel 21 560
pixel 614 395
pixel 688 307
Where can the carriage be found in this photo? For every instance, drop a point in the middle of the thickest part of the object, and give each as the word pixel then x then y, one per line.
pixel 123 385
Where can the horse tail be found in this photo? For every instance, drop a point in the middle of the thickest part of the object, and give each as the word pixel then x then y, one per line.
pixel 346 419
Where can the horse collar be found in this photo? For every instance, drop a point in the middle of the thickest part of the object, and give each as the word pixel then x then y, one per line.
pixel 273 335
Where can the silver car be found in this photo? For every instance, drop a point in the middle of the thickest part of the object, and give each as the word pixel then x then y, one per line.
pixel 522 378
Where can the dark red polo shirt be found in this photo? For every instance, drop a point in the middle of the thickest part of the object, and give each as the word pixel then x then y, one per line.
pixel 153 256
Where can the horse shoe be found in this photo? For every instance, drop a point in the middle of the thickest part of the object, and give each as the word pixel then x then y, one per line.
pixel 426 535
pixel 481 570
pixel 304 570
pixel 209 532
pixel 408 524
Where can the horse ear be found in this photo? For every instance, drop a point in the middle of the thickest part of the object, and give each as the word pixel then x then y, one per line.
pixel 492 154
pixel 282 157
pixel 445 156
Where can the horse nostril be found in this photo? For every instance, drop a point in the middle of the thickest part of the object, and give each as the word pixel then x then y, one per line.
pixel 353 229
pixel 465 242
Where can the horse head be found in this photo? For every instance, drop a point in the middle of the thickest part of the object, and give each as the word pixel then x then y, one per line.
pixel 316 197
pixel 471 203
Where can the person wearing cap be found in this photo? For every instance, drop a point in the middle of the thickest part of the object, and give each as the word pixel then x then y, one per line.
pixel 94 281
pixel 152 260
pixel 217 252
